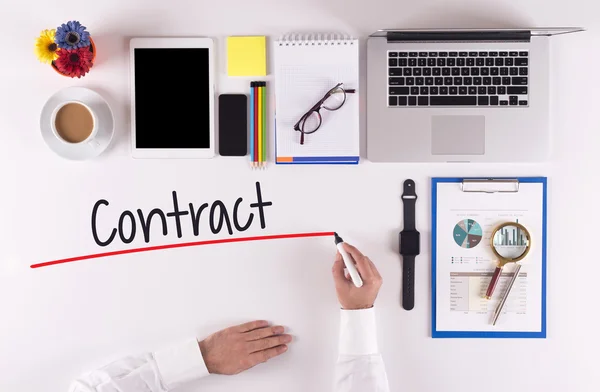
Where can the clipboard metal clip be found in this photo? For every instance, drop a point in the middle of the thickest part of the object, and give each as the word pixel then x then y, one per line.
pixel 490 185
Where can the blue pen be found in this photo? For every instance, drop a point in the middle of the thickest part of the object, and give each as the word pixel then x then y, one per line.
pixel 252 123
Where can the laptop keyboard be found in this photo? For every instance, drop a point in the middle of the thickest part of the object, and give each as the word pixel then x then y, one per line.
pixel 443 78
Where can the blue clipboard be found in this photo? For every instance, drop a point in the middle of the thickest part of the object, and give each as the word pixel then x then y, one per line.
pixel 485 334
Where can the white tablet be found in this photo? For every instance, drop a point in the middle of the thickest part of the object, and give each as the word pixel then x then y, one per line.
pixel 172 98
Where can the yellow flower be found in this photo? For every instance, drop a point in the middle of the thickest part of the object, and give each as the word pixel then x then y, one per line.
pixel 45 47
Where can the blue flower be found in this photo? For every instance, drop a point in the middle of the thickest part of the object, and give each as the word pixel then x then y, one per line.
pixel 72 35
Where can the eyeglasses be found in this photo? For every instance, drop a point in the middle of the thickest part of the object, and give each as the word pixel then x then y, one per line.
pixel 310 122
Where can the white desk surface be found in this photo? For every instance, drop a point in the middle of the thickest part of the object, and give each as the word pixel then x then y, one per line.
pixel 60 321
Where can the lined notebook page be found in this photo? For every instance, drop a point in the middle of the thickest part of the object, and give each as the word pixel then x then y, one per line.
pixel 305 69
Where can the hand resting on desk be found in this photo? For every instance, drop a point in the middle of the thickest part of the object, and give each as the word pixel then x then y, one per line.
pixel 239 348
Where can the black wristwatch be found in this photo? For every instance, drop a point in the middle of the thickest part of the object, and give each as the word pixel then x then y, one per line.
pixel 410 245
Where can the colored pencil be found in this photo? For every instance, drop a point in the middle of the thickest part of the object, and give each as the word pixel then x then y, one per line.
pixel 258 124
pixel 264 123
pixel 252 123
pixel 255 125
pixel 261 120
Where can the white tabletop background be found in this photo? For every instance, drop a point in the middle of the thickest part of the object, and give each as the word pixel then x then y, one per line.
pixel 58 322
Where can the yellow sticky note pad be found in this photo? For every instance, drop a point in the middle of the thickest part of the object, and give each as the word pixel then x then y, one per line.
pixel 246 56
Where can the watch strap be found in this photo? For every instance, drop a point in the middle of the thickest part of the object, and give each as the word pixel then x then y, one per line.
pixel 408 282
pixel 409 197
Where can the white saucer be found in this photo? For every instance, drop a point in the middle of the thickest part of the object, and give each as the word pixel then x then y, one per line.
pixel 106 123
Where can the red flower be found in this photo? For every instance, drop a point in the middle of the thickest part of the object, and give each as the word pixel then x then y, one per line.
pixel 74 63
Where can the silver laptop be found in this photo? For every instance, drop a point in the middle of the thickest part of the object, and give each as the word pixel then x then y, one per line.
pixel 459 95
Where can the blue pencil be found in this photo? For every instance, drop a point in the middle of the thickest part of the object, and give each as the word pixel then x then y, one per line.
pixel 252 123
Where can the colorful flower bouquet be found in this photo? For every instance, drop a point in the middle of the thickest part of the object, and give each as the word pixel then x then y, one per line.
pixel 69 49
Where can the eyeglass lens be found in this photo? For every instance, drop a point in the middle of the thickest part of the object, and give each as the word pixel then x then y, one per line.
pixel 335 100
pixel 311 122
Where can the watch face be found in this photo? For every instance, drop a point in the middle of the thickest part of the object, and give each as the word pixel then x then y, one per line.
pixel 410 243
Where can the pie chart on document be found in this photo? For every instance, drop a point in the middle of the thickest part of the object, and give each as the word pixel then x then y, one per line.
pixel 467 233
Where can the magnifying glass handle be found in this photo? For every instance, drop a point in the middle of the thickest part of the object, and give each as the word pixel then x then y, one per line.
pixel 493 282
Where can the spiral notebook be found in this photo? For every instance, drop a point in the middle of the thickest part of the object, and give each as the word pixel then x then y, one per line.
pixel 307 66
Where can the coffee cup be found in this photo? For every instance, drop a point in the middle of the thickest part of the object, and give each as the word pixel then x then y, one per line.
pixel 75 123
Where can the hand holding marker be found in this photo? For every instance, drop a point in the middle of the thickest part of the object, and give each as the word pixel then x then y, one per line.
pixel 348 261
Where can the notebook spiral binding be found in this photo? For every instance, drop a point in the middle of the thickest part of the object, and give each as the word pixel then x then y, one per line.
pixel 315 39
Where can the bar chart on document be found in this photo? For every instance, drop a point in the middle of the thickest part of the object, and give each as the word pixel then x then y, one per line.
pixel 510 236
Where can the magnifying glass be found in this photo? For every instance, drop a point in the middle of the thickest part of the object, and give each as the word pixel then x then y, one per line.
pixel 510 243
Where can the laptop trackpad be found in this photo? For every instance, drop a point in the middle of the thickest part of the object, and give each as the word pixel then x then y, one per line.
pixel 458 135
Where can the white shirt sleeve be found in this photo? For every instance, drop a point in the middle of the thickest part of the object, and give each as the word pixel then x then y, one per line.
pixel 160 371
pixel 359 367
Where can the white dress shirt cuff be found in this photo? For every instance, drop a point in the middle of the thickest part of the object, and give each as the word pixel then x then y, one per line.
pixel 180 364
pixel 358 333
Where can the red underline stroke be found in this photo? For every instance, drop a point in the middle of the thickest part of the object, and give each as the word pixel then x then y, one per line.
pixel 182 245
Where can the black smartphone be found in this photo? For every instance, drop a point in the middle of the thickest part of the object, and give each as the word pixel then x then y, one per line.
pixel 233 125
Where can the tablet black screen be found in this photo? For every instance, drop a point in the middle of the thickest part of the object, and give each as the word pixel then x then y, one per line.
pixel 172 106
